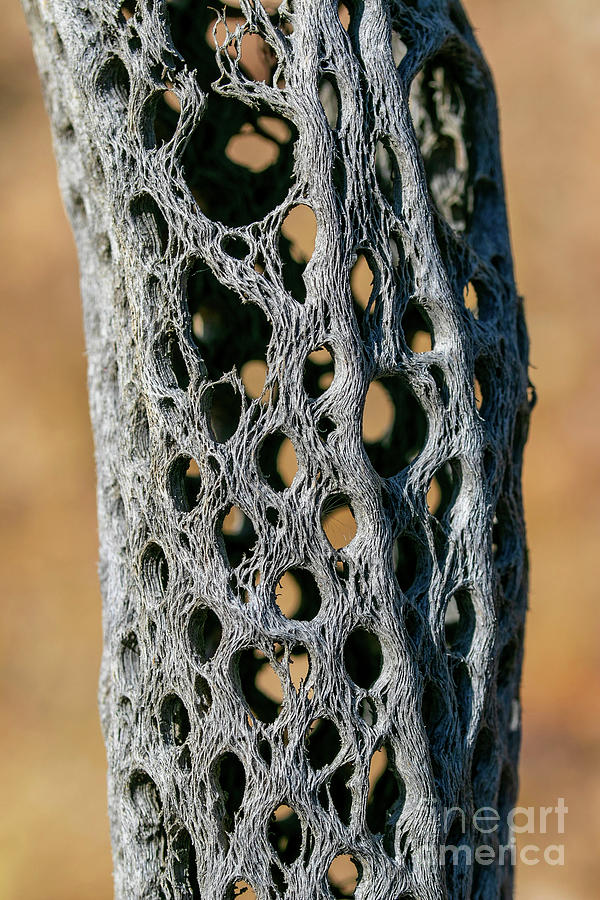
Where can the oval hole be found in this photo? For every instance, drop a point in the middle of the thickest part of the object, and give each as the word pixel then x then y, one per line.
pixel 418 331
pixel 362 282
pixel 185 483
pixel 399 48
pixel 406 560
pixel 277 460
pixel 509 661
pixel 299 662
pixel 337 520
pixel 184 761
pixel 477 393
pixel 227 332
pixel 225 411
pixel 325 427
pixel 378 414
pixel 149 225
pixel 127 10
pixel 443 489
pixel 113 86
pixel 235 246
pixel 343 875
pixel 253 374
pixel 264 748
pixel 228 186
pixel 363 657
pixel 239 536
pixel 463 690
pixel 146 799
pixel 297 595
pixel 323 742
pixel 154 571
pixel 386 796
pixel 299 227
pixel 205 633
pixel 296 247
pixel 163 119
pixel 344 16
pixel 185 873
pixel 328 95
pixel 388 175
pixel 318 372
pixel 260 685
pixel 141 428
pixel 414 625
pixel 130 659
pixel 367 711
pixel 459 623
pixel 174 721
pixel 339 791
pixel 231 777
pixel 203 694
pixel 285 834
pixel 177 371
pixel 407 436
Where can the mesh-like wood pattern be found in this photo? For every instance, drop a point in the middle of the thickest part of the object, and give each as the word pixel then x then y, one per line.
pixel 253 739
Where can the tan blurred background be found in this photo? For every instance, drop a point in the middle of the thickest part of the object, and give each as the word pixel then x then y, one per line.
pixel 53 830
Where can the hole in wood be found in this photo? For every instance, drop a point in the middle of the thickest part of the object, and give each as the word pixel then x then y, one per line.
pixel 225 411
pixel 205 632
pixel 329 97
pixel 299 666
pixel 277 460
pixel 241 889
pixel 174 721
pixel 318 371
pixel 154 571
pixel 230 775
pixel 386 796
pixel 418 331
pixel 362 282
pixel 296 247
pixel 344 874
pixel 297 595
pixel 238 535
pixel 363 657
pixel 285 834
pixel 184 481
pixel 149 226
pixel 443 489
pixel 203 694
pixel 378 414
pixel 260 685
pixel 338 521
pixel 322 742
pixel 388 175
pixel 405 439
pixel 459 623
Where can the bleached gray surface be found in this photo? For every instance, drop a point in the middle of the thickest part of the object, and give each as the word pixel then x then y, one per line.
pixel 446 706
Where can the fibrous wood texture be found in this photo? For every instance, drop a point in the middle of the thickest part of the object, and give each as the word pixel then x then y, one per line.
pixel 226 768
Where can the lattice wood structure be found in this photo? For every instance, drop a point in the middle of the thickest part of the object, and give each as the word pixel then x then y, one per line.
pixel 253 740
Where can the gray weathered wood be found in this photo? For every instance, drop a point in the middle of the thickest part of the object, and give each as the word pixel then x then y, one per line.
pixel 393 144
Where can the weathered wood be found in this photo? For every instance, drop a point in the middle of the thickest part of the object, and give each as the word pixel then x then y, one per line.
pixel 385 127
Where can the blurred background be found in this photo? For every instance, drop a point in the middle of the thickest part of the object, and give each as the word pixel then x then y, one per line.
pixel 54 842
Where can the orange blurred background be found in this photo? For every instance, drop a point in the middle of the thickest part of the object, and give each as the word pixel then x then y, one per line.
pixel 53 832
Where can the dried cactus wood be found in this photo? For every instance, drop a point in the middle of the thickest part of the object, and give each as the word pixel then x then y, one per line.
pixel 290 709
